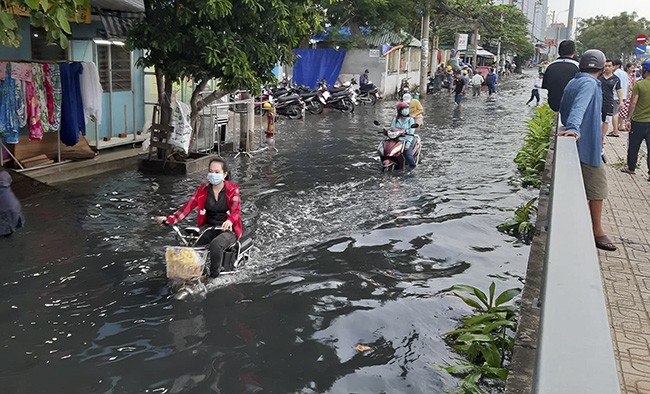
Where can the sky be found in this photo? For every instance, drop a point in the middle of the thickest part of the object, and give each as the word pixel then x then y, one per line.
pixel 591 8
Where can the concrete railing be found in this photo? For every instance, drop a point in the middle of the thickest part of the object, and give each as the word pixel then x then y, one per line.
pixel 575 352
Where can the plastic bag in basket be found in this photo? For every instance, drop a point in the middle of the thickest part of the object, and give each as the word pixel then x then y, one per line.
pixel 185 263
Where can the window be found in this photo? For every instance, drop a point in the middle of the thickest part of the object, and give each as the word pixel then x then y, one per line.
pixel 119 69
pixel 41 50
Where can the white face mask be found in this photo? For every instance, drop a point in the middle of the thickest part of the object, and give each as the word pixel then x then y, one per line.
pixel 215 178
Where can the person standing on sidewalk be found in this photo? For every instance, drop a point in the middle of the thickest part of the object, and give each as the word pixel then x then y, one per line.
pixel 640 110
pixel 622 76
pixel 559 73
pixel 581 111
pixel 611 86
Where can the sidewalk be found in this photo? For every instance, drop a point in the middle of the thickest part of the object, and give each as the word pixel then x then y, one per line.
pixel 626 272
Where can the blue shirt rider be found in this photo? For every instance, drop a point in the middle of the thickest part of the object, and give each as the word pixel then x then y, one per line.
pixel 403 121
pixel 363 78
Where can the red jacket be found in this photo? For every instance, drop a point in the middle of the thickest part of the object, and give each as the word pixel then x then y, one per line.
pixel 198 200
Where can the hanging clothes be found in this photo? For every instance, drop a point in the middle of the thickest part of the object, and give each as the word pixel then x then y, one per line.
pixel 49 94
pixel 21 71
pixel 24 72
pixel 21 108
pixel 91 93
pixel 72 111
pixel 39 90
pixel 3 67
pixel 55 122
pixel 8 114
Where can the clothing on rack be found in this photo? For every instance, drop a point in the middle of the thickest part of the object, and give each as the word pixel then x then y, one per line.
pixel 22 71
pixel 91 93
pixel 39 94
pixel 55 123
pixel 72 111
pixel 21 108
pixel 3 67
pixel 49 93
pixel 33 112
pixel 9 122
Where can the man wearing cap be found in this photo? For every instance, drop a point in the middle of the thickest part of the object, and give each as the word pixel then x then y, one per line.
pixel 416 111
pixel 581 113
pixel 640 110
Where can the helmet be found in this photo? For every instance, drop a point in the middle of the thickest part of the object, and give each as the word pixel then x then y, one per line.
pixel 592 58
pixel 402 105
pixel 464 72
pixel 646 66
pixel 266 105
pixel 449 68
pixel 407 98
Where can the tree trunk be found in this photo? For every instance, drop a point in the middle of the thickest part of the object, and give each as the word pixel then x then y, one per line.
pixel 357 35
pixel 165 86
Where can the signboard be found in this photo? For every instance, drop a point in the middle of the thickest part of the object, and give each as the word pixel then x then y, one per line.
pixel 550 42
pixel 83 12
pixel 640 50
pixel 641 39
pixel 373 53
pixel 461 42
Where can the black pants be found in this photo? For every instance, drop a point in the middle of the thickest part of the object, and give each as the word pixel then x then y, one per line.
pixel 219 241
pixel 640 132
pixel 534 95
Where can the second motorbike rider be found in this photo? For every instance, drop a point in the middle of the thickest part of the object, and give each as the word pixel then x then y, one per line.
pixel 403 121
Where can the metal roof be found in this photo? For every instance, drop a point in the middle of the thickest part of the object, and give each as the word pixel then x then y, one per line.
pixel 119 5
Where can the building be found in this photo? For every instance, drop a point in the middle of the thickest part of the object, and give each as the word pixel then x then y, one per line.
pixel 535 11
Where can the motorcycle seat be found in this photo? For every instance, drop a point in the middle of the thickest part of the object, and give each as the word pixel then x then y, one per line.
pixel 308 94
pixel 340 94
pixel 337 90
pixel 367 87
pixel 288 98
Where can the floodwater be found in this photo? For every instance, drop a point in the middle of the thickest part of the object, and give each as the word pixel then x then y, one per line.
pixel 344 255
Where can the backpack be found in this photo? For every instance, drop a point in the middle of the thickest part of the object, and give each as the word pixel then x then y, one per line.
pixel 489 79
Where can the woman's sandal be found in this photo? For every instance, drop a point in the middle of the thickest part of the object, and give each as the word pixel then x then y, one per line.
pixel 604 243
pixel 627 171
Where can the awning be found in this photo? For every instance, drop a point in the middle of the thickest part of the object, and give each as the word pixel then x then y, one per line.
pixel 119 5
pixel 117 23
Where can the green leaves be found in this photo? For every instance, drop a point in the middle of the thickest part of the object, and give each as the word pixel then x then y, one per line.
pixel 613 35
pixel 484 339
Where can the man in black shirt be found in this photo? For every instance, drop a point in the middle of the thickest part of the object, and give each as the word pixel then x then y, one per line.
pixel 459 88
pixel 610 85
pixel 559 73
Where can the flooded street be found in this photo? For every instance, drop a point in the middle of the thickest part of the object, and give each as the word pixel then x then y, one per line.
pixel 344 255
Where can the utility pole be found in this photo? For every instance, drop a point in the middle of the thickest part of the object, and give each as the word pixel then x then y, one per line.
pixel 424 55
pixel 475 57
pixel 569 30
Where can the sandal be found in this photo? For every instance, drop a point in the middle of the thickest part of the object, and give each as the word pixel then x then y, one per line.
pixel 613 135
pixel 604 243
pixel 627 171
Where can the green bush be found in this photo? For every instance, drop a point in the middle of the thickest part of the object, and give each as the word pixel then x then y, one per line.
pixel 531 158
pixel 485 339
pixel 521 225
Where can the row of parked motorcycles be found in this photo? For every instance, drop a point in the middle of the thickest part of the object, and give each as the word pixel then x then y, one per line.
pixel 292 101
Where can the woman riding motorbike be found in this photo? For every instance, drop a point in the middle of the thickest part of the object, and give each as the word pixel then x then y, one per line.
pixel 403 121
pixel 218 204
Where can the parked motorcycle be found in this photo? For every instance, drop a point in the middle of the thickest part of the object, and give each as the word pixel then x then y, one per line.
pixel 391 149
pixel 340 98
pixel 367 93
pixel 289 105
pixel 404 88
pixel 314 103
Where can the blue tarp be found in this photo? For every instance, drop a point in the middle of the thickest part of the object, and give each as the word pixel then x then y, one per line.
pixel 316 64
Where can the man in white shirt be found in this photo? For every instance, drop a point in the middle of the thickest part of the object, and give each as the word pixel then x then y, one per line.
pixel 618 71
pixel 477 80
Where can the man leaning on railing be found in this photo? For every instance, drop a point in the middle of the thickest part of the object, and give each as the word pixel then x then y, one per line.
pixel 580 111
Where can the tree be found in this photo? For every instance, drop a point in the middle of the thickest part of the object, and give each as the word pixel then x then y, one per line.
pixel 387 15
pixel 612 35
pixel 509 25
pixel 236 42
pixel 53 16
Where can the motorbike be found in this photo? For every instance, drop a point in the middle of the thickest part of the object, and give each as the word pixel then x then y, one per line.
pixel 188 263
pixel 391 149
pixel 314 103
pixel 404 87
pixel 340 98
pixel 434 84
pixel 289 105
pixel 367 93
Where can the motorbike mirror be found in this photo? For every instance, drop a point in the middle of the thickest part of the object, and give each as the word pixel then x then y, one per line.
pixel 415 126
pixel 376 122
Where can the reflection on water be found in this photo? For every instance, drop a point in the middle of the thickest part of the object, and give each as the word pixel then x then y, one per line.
pixel 345 255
